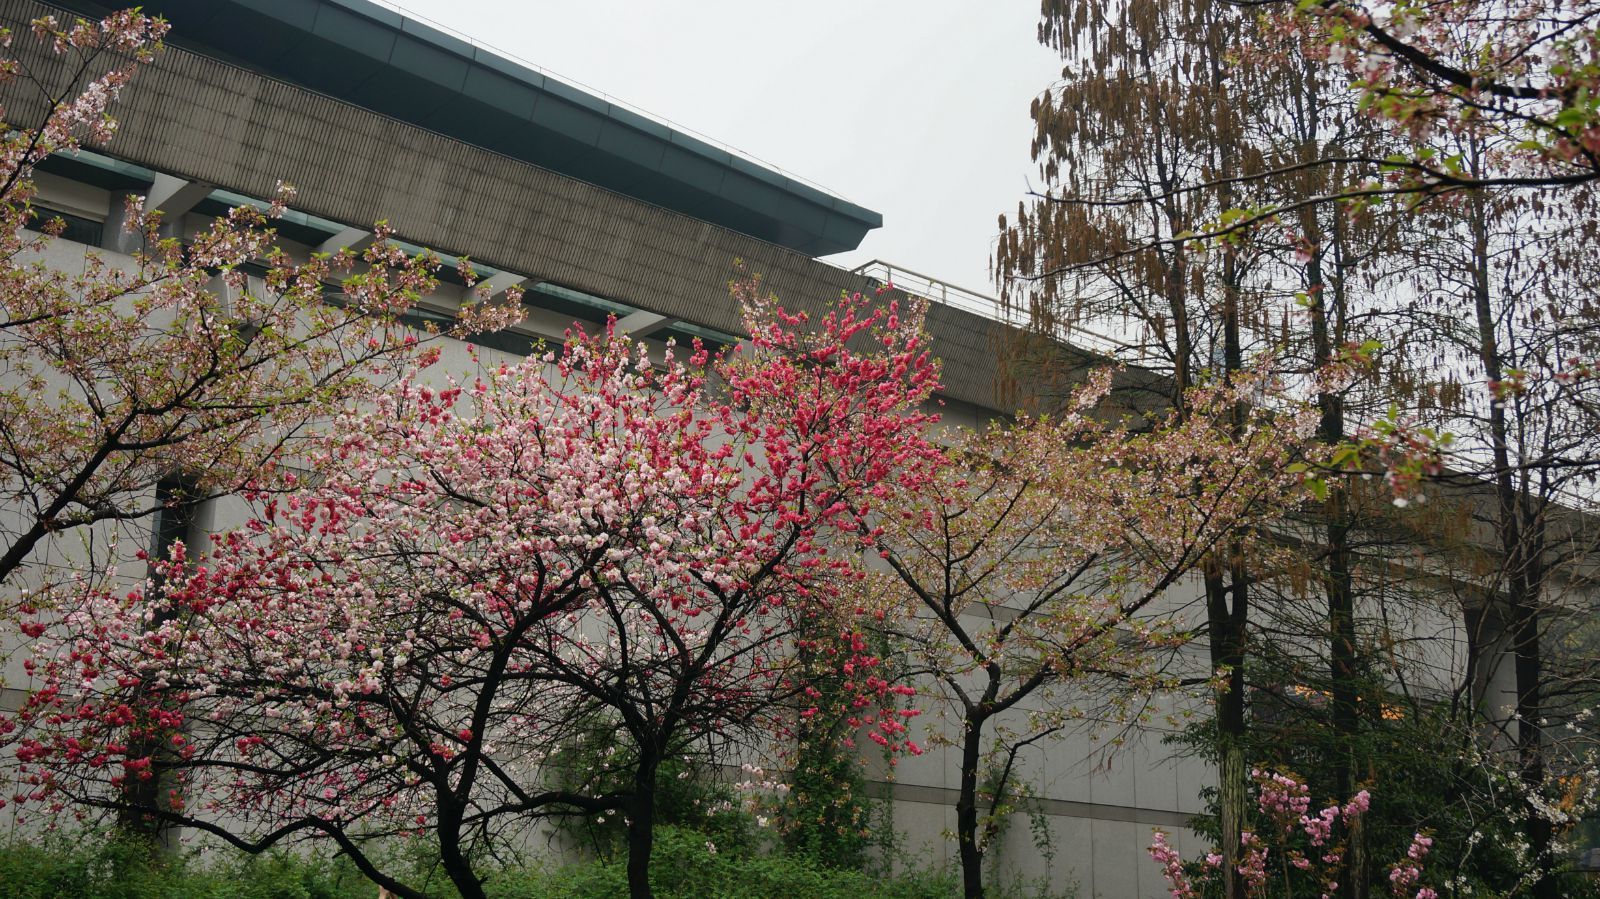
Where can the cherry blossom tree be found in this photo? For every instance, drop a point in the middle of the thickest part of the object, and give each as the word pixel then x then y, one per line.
pixel 1033 559
pixel 1519 75
pixel 172 365
pixel 471 574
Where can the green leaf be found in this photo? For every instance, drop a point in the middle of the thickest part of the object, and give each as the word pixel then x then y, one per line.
pixel 1571 117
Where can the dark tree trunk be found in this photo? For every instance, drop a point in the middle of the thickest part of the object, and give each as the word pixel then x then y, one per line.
pixel 971 853
pixel 641 829
pixel 141 796
pixel 1523 582
pixel 1344 669
pixel 1228 605
pixel 1225 623
pixel 1340 586
pixel 454 861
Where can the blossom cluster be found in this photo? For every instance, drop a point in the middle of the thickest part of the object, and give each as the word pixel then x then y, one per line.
pixel 464 571
pixel 1305 845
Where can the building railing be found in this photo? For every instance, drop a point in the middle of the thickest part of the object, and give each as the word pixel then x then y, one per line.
pixel 968 300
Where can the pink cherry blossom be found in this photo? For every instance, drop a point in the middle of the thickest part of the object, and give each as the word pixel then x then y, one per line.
pixel 474 571
pixel 1294 846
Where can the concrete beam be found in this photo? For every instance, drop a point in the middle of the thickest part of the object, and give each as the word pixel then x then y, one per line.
pixel 353 239
pixel 543 323
pixel 174 196
pixel 642 323
pixel 499 281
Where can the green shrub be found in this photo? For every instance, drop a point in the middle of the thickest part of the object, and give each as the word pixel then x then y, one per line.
pixel 98 866
pixel 683 866
pixel 825 815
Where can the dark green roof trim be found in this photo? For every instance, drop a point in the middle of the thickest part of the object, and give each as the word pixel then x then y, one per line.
pixel 371 56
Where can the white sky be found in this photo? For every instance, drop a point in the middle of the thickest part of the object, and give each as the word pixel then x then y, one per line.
pixel 915 108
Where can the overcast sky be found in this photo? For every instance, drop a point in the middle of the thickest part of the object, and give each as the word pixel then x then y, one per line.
pixel 915 108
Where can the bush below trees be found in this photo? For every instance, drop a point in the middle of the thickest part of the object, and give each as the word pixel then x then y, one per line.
pixel 686 864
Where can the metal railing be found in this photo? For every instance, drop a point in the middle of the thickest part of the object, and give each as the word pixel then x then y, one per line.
pixel 967 300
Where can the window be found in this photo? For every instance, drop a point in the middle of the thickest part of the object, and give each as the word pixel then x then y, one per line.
pixel 78 228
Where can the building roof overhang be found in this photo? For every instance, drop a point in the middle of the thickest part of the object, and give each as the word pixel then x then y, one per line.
pixel 371 56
